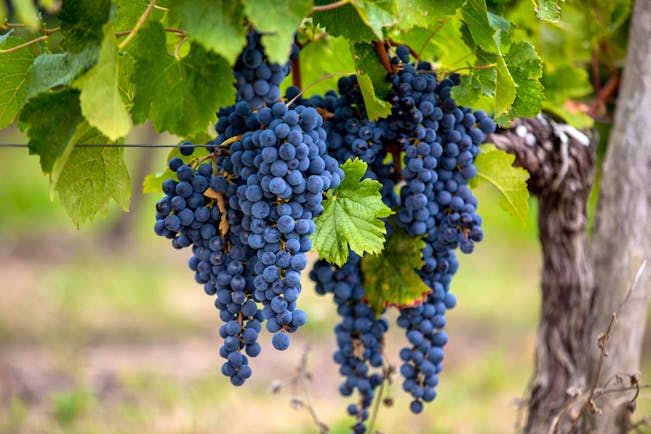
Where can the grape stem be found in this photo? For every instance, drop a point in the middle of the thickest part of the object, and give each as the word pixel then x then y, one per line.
pixel 314 83
pixel 609 89
pixel 383 55
pixel 7 25
pixel 179 32
pixel 330 6
pixel 463 68
pixel 47 34
pixel 139 24
pixel 397 168
pixel 434 31
pixel 220 149
pixel 296 71
pixel 178 47
pixel 378 399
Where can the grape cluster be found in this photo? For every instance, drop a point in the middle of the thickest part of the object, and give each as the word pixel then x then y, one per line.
pixel 256 79
pixel 440 141
pixel 360 334
pixel 248 209
pixel 283 170
pixel 189 217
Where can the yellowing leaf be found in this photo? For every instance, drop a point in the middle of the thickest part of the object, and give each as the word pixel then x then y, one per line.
pixel 390 278
pixel 495 167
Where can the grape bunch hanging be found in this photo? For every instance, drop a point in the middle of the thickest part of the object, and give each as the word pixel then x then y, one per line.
pixel 247 210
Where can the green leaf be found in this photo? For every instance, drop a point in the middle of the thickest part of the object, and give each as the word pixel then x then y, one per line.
pixel 525 67
pixel 3 13
pixel 27 13
pixel 13 76
pixel 90 178
pixel 179 95
pixel 50 71
pixel 367 62
pixel 376 14
pixel 375 107
pixel 281 18
pixel 101 100
pixel 215 24
pixel 351 217
pixel 390 278
pixel 562 85
pixel 566 82
pixel 82 22
pixel 422 13
pixel 433 43
pixel 371 77
pixel 495 167
pixel 153 183
pixel 344 21
pixel 548 10
pixel 128 12
pixel 480 82
pixel 475 16
pixel 324 56
pixel 505 91
pixel 50 121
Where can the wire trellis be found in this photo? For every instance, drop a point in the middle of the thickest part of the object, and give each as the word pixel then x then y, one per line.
pixel 115 145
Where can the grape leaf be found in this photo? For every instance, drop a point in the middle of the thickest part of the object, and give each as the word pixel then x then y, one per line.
pixel 82 22
pixel 390 278
pixel 422 13
pixel 153 183
pixel 375 107
pixel 351 217
pixel 370 69
pixel 525 66
pixel 548 10
pixel 51 71
pixel 90 178
pixel 478 83
pixel 367 62
pixel 101 101
pixel 563 84
pixel 14 67
pixel 128 12
pixel 3 15
pixel 432 42
pixel 215 24
pixel 27 13
pixel 281 18
pixel 324 56
pixel 505 88
pixel 180 95
pixel 50 121
pixel 344 21
pixel 475 16
pixel 49 5
pixel 376 14
pixel 495 167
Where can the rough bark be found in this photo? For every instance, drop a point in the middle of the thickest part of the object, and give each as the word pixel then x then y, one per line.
pixel 560 161
pixel 622 234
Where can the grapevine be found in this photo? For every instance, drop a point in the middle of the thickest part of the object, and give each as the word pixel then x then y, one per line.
pixel 248 214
